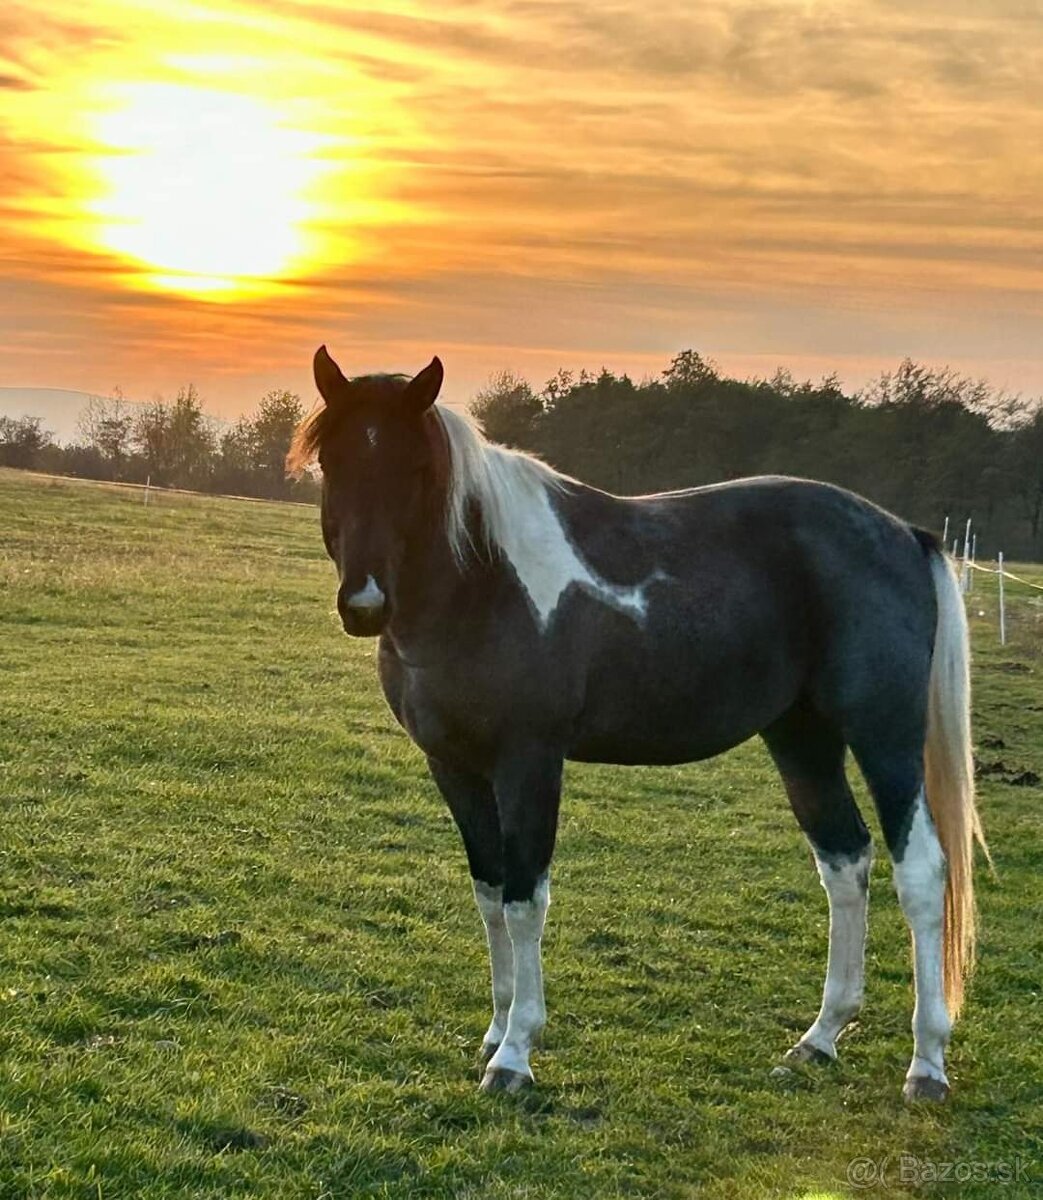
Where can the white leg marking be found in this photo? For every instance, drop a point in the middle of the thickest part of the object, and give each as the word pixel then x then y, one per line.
pixel 847 886
pixel 920 883
pixel 525 921
pixel 501 958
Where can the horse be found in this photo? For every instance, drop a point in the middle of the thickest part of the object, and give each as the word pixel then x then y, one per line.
pixel 525 618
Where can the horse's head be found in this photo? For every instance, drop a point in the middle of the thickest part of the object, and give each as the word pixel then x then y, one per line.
pixel 384 463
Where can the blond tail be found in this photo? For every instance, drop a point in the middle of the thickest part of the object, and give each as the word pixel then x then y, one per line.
pixel 949 775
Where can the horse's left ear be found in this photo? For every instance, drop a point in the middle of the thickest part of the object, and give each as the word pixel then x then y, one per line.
pixel 422 390
pixel 332 385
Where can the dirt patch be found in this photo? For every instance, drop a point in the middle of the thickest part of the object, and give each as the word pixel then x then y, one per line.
pixel 1024 779
pixel 1012 776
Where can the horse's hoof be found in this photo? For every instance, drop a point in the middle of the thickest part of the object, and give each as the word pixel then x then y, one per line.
pixel 500 1079
pixel 805 1052
pixel 487 1051
pixel 924 1087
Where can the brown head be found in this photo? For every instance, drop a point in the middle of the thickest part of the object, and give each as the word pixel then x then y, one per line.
pixel 385 463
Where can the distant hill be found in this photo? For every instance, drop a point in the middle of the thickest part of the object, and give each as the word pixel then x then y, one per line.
pixel 58 407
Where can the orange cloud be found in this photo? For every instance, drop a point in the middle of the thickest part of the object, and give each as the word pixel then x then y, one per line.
pixel 208 189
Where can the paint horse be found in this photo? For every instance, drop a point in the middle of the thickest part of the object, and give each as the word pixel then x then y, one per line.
pixel 525 618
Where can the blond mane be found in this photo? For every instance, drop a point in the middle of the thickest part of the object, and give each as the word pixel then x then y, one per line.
pixel 504 484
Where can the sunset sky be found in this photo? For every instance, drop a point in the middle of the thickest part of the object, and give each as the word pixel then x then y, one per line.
pixel 204 191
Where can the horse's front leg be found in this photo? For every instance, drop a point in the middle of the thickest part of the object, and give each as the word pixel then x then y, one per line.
pixel 473 805
pixel 528 788
pixel 501 960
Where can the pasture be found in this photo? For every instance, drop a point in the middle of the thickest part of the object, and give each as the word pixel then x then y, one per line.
pixel 239 954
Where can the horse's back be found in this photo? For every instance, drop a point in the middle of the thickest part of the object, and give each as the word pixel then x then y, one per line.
pixel 759 592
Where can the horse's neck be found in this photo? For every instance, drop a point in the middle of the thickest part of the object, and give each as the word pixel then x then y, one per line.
pixel 430 589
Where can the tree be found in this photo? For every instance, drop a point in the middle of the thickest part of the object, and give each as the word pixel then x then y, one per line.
pixel 917 386
pixel 252 453
pixel 192 439
pixel 1026 462
pixel 150 433
pixel 507 409
pixel 560 384
pixel 690 369
pixel 21 441
pixel 176 440
pixel 232 472
pixel 105 424
pixel 279 414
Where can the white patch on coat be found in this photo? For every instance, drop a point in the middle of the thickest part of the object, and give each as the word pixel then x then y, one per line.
pixel 847 887
pixel 369 596
pixel 547 565
pixel 501 958
pixel 920 884
pixel 525 920
pixel 514 492
pixel 371 437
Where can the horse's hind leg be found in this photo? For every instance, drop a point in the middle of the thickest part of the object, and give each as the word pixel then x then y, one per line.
pixel 895 778
pixel 809 754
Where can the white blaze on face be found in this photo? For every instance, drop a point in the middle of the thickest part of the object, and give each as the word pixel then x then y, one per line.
pixel 547 564
pixel 371 437
pixel 370 596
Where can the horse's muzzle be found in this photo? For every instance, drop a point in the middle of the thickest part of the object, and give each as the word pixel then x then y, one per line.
pixel 363 612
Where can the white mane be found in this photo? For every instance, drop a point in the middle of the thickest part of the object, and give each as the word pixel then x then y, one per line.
pixel 507 485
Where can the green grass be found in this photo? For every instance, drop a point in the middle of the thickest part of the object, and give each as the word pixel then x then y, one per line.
pixel 239 956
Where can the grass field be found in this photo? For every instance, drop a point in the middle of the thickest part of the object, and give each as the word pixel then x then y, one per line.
pixel 239 955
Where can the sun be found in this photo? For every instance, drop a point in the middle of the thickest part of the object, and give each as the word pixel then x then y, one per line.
pixel 205 192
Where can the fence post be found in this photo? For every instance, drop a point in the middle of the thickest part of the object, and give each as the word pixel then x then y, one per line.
pixel 1003 613
pixel 945 532
pixel 966 558
pixel 148 481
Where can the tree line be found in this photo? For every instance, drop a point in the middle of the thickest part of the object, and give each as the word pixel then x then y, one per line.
pixel 169 443
pixel 923 443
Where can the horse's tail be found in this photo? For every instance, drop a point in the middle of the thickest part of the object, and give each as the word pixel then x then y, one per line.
pixel 949 775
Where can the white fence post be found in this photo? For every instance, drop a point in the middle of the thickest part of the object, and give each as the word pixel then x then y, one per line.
pixel 966 558
pixel 945 532
pixel 148 481
pixel 1003 613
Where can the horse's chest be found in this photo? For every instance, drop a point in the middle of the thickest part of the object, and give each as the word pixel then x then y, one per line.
pixel 446 718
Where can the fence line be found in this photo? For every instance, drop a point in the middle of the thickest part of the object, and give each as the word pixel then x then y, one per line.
pixel 1000 570
pixel 154 489
pixel 1001 574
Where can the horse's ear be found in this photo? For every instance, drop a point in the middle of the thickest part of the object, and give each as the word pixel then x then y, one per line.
pixel 422 390
pixel 332 385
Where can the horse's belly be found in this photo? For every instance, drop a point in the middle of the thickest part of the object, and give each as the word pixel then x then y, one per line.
pixel 641 740
pixel 683 716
